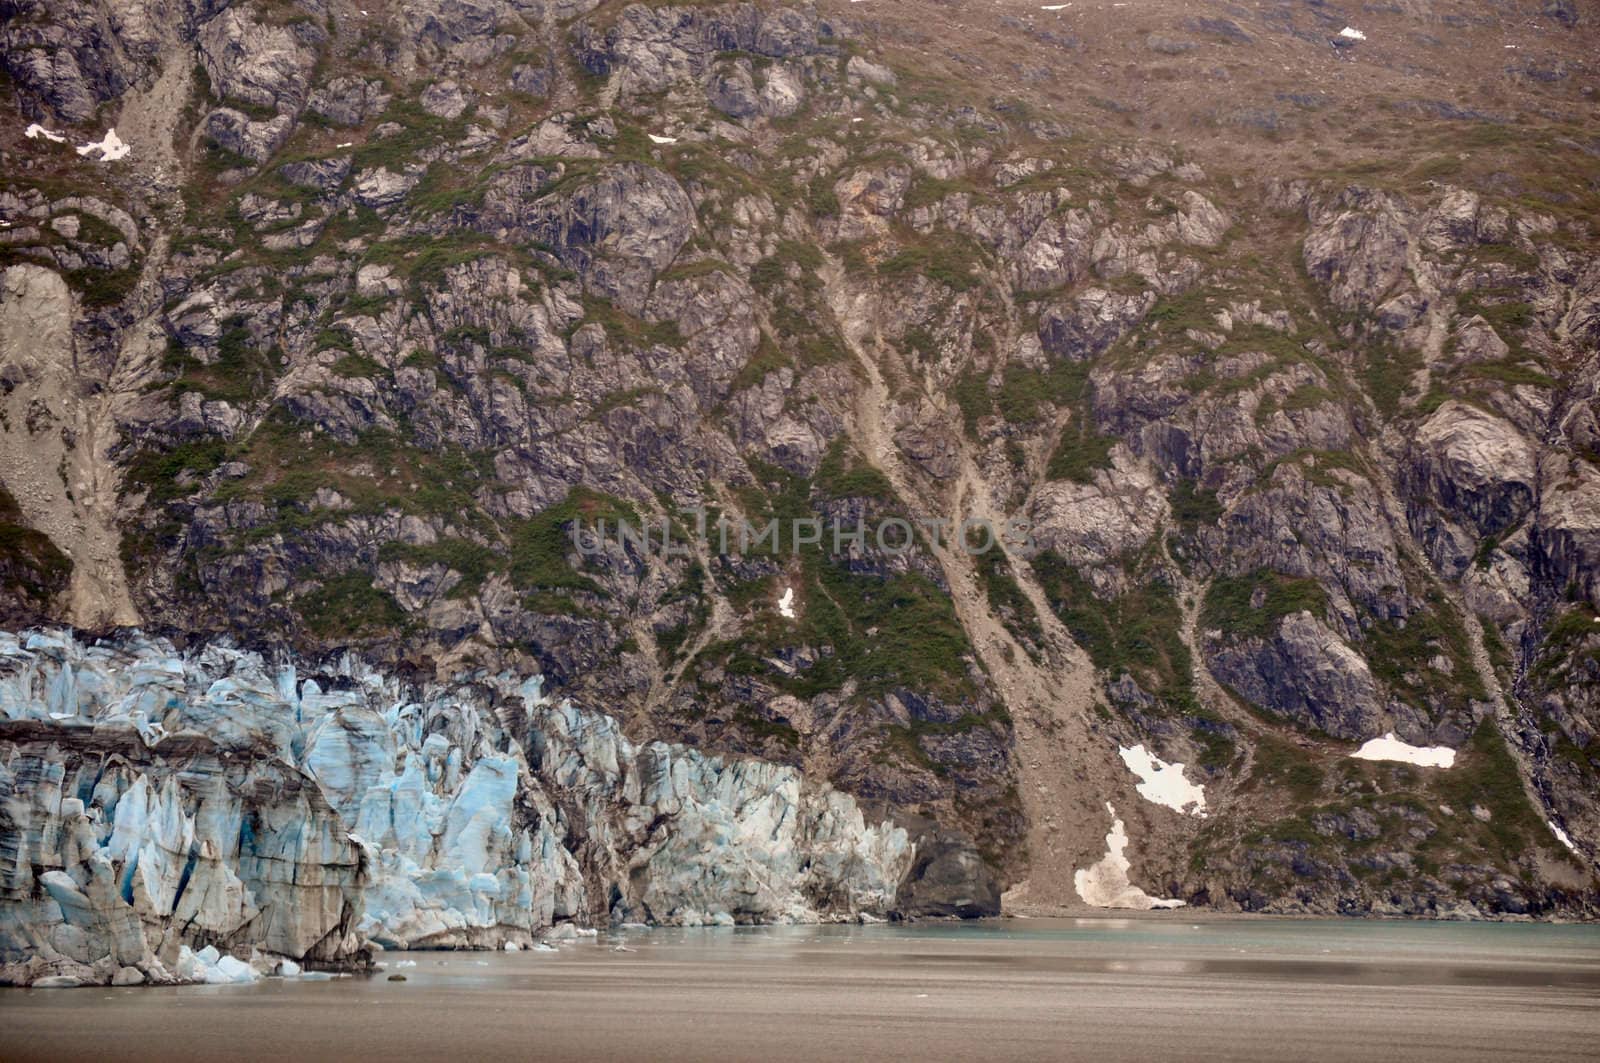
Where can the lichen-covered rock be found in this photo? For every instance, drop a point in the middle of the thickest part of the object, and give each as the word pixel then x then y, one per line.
pixel 261 63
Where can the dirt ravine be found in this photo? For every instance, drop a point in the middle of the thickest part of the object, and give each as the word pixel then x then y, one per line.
pixel 58 427
pixel 1067 772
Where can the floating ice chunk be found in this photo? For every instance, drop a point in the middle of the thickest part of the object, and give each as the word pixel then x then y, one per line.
pixel 786 604
pixel 542 947
pixel 512 946
pixel 406 963
pixel 1162 783
pixel 35 131
pixel 111 147
pixel 662 140
pixel 1391 748
pixel 1561 836
pixel 1352 34
pixel 213 968
pixel 1106 885
pixel 288 968
pixel 236 971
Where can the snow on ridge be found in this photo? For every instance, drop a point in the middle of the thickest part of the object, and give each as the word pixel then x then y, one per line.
pixel 1162 783
pixel 1106 885
pixel 1391 748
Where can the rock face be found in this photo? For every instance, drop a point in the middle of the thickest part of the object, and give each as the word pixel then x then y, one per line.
pixel 1305 672
pixel 386 312
pixel 153 801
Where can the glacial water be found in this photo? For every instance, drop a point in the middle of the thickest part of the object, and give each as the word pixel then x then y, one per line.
pixel 1176 986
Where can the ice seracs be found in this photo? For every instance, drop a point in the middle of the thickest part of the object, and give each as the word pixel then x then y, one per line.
pixel 1391 748
pixel 1162 783
pixel 1106 885
pixel 168 798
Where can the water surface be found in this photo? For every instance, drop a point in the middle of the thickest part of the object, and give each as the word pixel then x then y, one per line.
pixel 1092 989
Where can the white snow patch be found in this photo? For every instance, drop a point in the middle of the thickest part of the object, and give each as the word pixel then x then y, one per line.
pixel 111 147
pixel 1164 784
pixel 1106 885
pixel 662 140
pixel 1352 34
pixel 1561 836
pixel 1053 7
pixel 346 144
pixel 1391 748
pixel 35 131
pixel 786 604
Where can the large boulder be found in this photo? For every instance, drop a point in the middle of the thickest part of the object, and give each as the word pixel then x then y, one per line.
pixel 1304 672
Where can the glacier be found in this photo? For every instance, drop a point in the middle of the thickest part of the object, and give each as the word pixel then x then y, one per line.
pixel 156 803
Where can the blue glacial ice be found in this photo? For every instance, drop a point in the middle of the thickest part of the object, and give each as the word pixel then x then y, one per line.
pixel 157 804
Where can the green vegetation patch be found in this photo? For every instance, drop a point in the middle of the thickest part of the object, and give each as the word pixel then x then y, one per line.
pixel 1485 773
pixel 843 474
pixel 1399 653
pixel 1230 602
pixel 541 548
pixel 1139 633
pixel 1080 452
pixel 943 258
pixel 349 606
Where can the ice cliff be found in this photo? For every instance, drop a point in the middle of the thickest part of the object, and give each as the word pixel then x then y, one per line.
pixel 154 800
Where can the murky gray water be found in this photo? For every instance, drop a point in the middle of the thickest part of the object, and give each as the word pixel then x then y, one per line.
pixel 1102 989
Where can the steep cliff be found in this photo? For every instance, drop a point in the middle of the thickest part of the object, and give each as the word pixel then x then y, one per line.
pixel 1278 347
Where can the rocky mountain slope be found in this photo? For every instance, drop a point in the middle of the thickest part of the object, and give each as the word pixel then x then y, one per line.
pixel 1277 343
